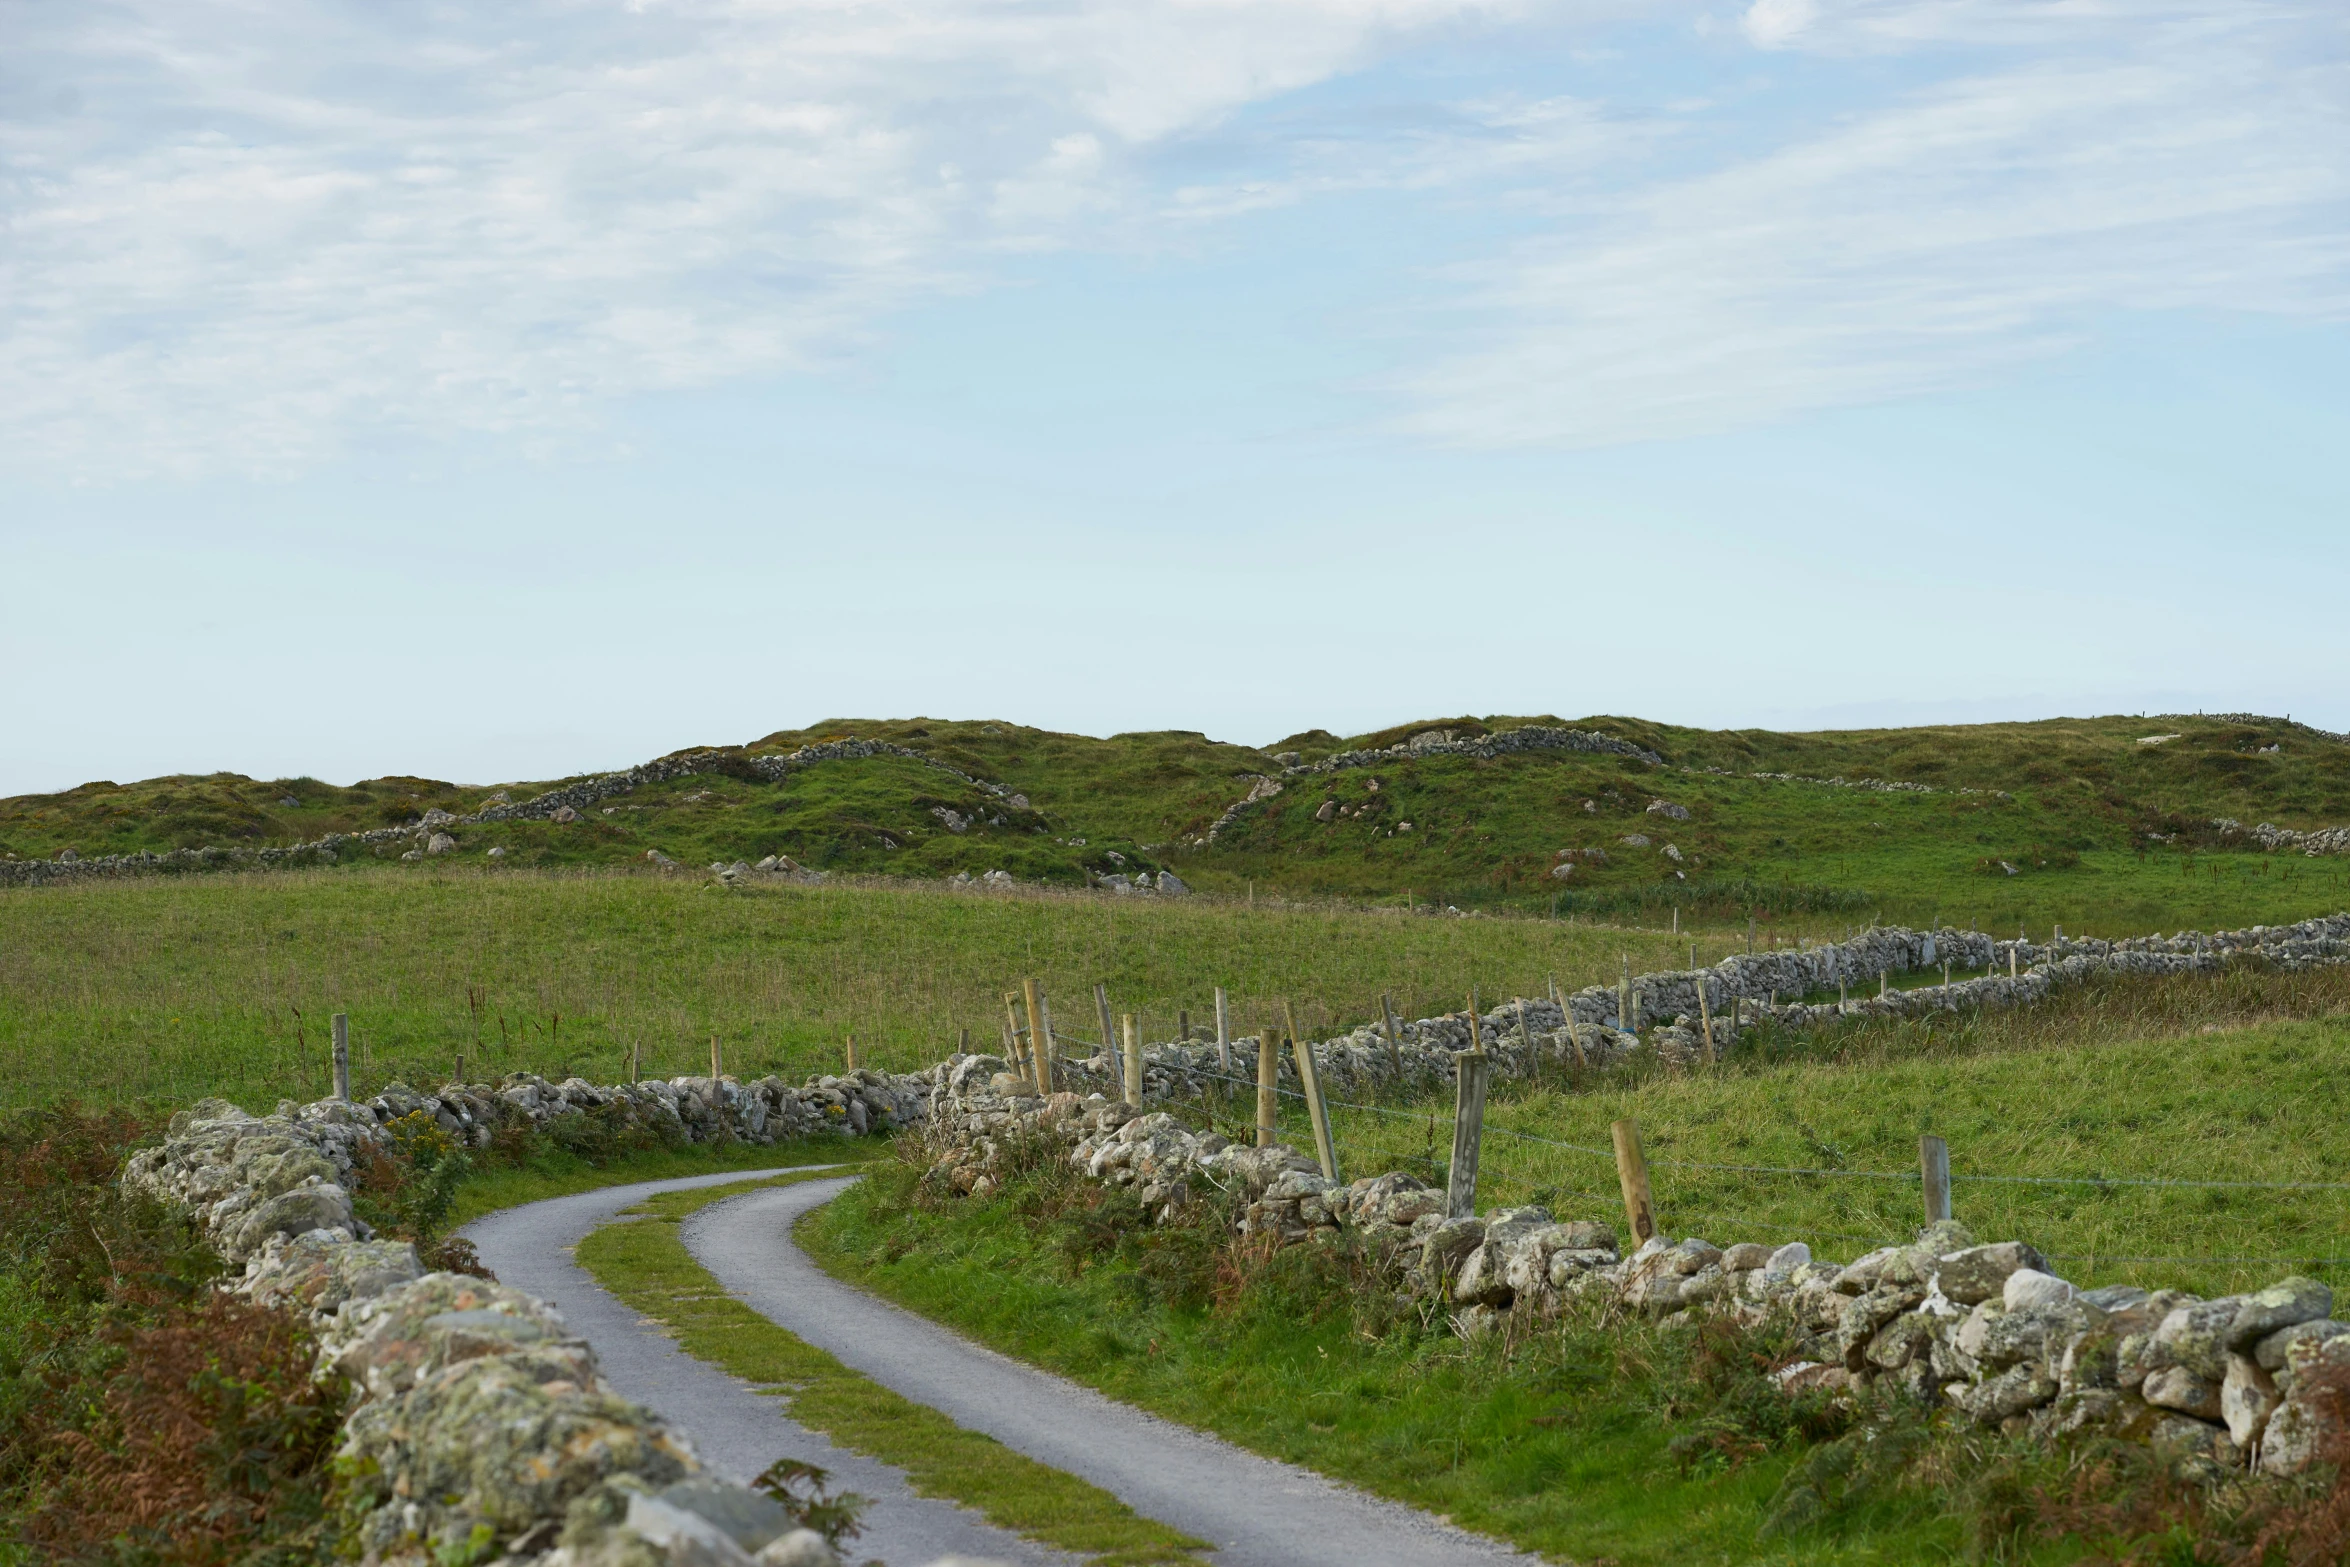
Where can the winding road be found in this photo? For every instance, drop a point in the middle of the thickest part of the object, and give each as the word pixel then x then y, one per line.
pixel 1259 1513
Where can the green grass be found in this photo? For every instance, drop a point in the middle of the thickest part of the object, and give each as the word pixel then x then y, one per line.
pixel 646 1265
pixel 2082 795
pixel 1554 1442
pixel 175 988
pixel 2194 1078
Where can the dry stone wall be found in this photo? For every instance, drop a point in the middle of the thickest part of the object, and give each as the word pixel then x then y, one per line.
pixel 483 1429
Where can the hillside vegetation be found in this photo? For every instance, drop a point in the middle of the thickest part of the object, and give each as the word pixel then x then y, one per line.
pixel 2065 820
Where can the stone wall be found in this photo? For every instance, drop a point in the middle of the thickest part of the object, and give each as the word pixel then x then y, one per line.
pixel 1987 1331
pixel 482 1423
pixel 1743 991
pixel 482 1427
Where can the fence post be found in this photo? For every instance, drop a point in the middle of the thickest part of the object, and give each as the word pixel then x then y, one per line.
pixel 1394 1036
pixel 1223 1032
pixel 1574 1040
pixel 1268 1083
pixel 849 1050
pixel 1309 1078
pixel 1133 1062
pixel 343 1056
pixel 1705 1019
pixel 636 1062
pixel 1632 1175
pixel 1471 1070
pixel 715 1060
pixel 1101 1008
pixel 1039 1059
pixel 1012 1037
pixel 459 1079
pixel 1934 1168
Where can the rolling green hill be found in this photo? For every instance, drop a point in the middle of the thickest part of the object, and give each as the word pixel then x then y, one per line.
pixel 2073 820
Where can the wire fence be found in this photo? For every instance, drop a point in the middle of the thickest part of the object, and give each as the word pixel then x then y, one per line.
pixel 1431 1118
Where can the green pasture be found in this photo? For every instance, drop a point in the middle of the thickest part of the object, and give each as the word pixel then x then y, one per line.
pixel 175 988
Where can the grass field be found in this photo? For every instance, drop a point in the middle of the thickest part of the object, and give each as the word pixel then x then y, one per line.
pixel 176 988
pixel 2221 1079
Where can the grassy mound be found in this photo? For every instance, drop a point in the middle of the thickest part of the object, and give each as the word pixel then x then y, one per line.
pixel 2069 820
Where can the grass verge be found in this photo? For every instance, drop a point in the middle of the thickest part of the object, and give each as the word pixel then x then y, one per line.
pixel 1585 1440
pixel 646 1265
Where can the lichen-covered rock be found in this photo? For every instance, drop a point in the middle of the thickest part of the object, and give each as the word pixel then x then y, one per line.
pixel 2284 1304
pixel 317 1272
pixel 2196 1337
pixel 489 1447
pixel 2013 1392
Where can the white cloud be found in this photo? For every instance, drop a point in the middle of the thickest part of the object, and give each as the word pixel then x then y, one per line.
pixel 1975 224
pixel 239 234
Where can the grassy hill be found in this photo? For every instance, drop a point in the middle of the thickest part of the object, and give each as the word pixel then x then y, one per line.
pixel 2069 820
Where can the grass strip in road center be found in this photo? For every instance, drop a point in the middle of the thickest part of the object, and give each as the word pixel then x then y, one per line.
pixel 644 1262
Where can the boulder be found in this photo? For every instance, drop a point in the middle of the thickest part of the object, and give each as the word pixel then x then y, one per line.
pixel 2272 1352
pixel 2027 1288
pixel 2012 1392
pixel 2287 1303
pixel 2196 1336
pixel 564 816
pixel 2247 1397
pixel 2176 1387
pixel 1978 1273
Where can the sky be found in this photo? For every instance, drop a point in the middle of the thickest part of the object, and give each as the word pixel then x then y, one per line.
pixel 499 393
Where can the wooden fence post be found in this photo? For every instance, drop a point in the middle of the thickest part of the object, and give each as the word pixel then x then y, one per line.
pixel 1223 1032
pixel 715 1071
pixel 1039 1049
pixel 1574 1040
pixel 1471 1071
pixel 964 1048
pixel 1101 1009
pixel 1394 1036
pixel 1705 1019
pixel 636 1062
pixel 1012 1037
pixel 1268 1083
pixel 1525 1029
pixel 342 1056
pixel 1934 1170
pixel 1632 1175
pixel 849 1050
pixel 1309 1078
pixel 1133 1062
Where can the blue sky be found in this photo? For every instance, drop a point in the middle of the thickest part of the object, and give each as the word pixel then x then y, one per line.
pixel 416 388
